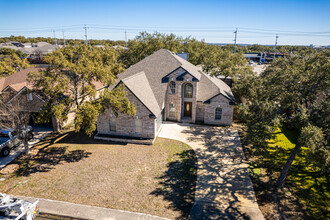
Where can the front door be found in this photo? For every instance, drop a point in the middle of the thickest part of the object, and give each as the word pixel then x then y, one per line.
pixel 187 109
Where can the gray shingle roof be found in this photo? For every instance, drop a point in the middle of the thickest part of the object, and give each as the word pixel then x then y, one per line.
pixel 139 86
pixel 192 69
pixel 148 86
pixel 155 67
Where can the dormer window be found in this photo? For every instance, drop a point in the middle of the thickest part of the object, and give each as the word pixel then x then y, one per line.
pixel 172 87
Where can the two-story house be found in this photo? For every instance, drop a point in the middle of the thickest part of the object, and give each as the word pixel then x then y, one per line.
pixel 166 87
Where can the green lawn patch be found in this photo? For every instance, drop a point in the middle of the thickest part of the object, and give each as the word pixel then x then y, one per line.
pixel 306 191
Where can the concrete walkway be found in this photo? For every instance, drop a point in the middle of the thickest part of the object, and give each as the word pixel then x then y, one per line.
pixel 224 189
pixel 14 153
pixel 78 211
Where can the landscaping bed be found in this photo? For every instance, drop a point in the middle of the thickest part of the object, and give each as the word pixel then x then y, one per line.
pixel 158 179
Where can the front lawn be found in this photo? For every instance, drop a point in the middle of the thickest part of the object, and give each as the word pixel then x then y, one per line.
pixel 306 193
pixel 158 179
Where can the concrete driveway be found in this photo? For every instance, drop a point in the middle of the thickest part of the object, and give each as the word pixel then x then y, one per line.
pixel 224 189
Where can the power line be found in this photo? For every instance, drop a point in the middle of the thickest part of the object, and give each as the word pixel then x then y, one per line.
pixel 175 29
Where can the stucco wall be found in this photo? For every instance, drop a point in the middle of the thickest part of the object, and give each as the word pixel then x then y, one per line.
pixel 125 125
pixel 227 111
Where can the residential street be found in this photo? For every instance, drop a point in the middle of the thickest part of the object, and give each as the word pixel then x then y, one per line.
pixel 224 189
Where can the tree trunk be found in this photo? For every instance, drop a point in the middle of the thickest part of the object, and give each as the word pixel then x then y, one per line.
pixel 26 145
pixel 285 170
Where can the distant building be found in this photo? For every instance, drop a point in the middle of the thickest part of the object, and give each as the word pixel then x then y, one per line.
pixel 262 57
pixel 31 49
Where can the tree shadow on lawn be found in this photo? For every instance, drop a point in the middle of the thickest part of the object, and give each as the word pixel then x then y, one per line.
pixel 220 186
pixel 178 183
pixel 46 158
pixel 222 182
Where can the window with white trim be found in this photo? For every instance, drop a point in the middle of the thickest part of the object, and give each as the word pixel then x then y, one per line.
pixel 112 124
pixel 218 113
pixel 188 90
pixel 172 87
pixel 171 110
pixel 138 126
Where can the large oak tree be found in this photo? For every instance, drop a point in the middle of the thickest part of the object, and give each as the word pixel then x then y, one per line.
pixel 293 92
pixel 68 85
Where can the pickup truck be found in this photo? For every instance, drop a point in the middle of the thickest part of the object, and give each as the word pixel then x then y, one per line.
pixel 9 141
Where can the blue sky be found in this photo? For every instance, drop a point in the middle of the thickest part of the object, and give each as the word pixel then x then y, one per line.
pixel 258 21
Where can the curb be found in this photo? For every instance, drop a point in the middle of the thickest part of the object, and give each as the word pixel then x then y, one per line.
pixel 79 211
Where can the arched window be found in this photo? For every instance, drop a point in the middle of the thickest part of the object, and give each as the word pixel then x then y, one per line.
pixel 172 87
pixel 218 113
pixel 188 90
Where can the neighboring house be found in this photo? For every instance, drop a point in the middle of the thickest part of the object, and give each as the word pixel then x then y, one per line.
pixel 16 88
pixel 31 49
pixel 166 87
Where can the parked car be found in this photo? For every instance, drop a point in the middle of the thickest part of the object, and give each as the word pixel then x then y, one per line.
pixel 13 140
pixel 5 132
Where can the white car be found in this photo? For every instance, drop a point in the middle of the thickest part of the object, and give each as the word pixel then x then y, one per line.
pixel 11 140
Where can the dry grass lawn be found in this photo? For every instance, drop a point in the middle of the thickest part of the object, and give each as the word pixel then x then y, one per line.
pixel 158 179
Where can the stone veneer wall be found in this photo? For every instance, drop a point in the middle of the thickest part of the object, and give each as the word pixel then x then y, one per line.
pixel 177 99
pixel 227 111
pixel 200 111
pixel 125 125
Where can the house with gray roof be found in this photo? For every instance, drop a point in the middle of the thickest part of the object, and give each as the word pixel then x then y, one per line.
pixel 166 87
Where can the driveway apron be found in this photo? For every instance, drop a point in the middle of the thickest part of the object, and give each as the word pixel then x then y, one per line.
pixel 224 189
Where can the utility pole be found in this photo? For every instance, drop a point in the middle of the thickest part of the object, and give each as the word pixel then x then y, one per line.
pixel 55 39
pixel 86 42
pixel 235 32
pixel 63 39
pixel 125 38
pixel 275 45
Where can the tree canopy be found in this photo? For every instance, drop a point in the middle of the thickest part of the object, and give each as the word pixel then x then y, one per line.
pixel 69 85
pixel 293 92
pixel 11 62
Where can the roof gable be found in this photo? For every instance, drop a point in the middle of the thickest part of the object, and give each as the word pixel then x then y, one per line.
pixel 139 86
pixel 166 78
pixel 18 80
